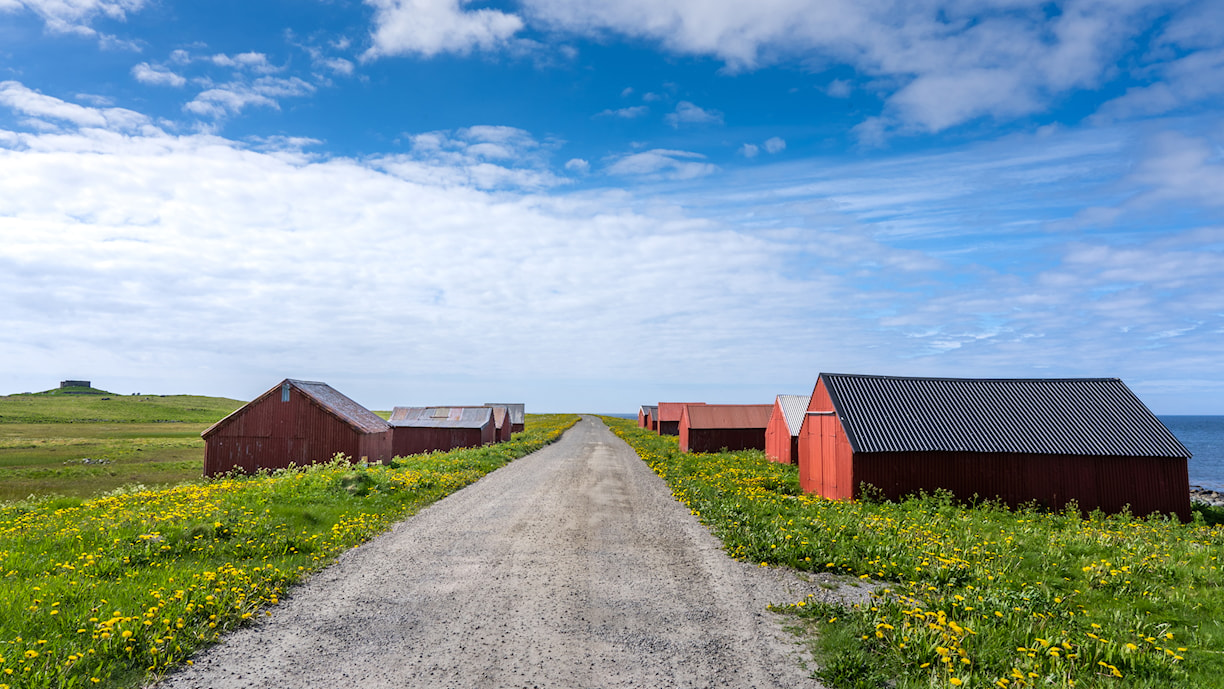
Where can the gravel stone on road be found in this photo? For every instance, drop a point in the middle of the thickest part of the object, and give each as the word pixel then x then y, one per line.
pixel 572 567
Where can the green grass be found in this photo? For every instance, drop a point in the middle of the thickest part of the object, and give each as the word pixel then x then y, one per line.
pixel 81 445
pixel 55 406
pixel 83 459
pixel 978 596
pixel 114 591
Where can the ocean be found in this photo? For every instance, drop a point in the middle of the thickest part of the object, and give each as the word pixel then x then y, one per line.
pixel 1204 437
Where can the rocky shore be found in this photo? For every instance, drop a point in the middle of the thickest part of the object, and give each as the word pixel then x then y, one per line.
pixel 1206 496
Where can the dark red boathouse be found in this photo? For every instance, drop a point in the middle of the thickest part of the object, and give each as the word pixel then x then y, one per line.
pixel 427 429
pixel 715 427
pixel 296 422
pixel 669 417
pixel 1053 441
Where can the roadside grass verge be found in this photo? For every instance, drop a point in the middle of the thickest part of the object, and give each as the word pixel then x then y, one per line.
pixel 115 591
pixel 976 595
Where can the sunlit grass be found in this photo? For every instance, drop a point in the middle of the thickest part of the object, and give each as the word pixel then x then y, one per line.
pixel 976 596
pixel 114 591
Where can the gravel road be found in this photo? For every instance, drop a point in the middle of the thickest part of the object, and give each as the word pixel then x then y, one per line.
pixel 571 568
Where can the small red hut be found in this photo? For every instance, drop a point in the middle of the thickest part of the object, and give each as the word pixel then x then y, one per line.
pixel 669 417
pixel 782 433
pixel 296 422
pixel 1088 440
pixel 427 429
pixel 715 427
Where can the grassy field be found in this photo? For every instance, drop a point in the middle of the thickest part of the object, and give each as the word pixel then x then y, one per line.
pixel 55 443
pixel 114 591
pixel 974 596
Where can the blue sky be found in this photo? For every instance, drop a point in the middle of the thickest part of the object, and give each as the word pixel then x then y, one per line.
pixel 589 206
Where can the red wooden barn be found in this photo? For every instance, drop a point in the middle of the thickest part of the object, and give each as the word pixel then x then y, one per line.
pixel 501 421
pixel 715 427
pixel 518 414
pixel 782 433
pixel 296 422
pixel 646 416
pixel 669 417
pixel 1046 440
pixel 427 429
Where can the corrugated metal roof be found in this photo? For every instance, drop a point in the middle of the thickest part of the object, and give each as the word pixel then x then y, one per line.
pixel 440 417
pixel 1073 416
pixel 518 410
pixel 729 415
pixel 356 415
pixel 670 411
pixel 793 409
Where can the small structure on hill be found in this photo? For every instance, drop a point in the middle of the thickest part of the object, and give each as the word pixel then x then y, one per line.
pixel 669 417
pixel 296 422
pixel 1053 441
pixel 782 433
pixel 716 427
pixel 74 384
pixel 427 429
pixel 518 414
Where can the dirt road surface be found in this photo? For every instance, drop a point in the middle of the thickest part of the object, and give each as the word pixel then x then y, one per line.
pixel 570 568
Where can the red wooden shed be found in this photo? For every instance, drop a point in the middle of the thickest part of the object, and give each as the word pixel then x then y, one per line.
pixel 427 429
pixel 669 417
pixel 518 414
pixel 296 422
pixel 645 416
pixel 715 427
pixel 782 433
pixel 1046 440
pixel 501 421
pixel 652 421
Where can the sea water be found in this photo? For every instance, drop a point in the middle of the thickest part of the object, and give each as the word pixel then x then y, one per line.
pixel 1204 437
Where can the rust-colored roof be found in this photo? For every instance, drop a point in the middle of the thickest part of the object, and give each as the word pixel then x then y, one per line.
pixel 729 415
pixel 518 410
pixel 670 411
pixel 440 417
pixel 325 396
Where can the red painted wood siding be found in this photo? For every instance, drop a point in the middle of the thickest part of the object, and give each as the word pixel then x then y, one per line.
pixel 271 434
pixel 780 445
pixel 407 440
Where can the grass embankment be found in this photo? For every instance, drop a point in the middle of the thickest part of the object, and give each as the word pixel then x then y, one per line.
pixel 87 444
pixel 116 590
pixel 975 596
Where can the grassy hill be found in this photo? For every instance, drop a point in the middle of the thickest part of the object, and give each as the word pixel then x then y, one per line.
pixel 84 441
pixel 90 405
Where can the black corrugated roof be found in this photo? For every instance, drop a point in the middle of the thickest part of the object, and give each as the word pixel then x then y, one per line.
pixel 1074 416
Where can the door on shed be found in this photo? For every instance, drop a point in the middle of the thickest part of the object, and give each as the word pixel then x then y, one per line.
pixel 827 424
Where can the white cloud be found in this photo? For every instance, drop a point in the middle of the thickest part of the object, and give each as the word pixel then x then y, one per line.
pixel 687 113
pixel 940 63
pixel 485 157
pixel 662 164
pixel 839 88
pixel 252 61
pixel 775 144
pixel 74 16
pixel 749 150
pixel 21 99
pixel 578 165
pixel 233 98
pixel 629 113
pixel 157 75
pixel 433 27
